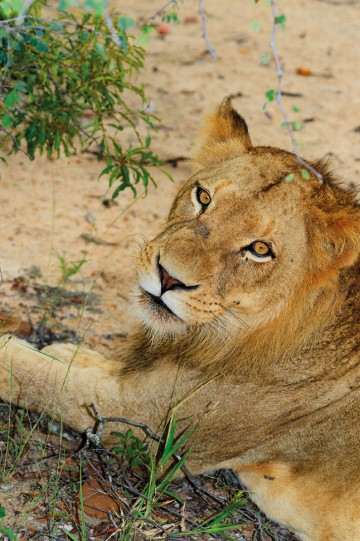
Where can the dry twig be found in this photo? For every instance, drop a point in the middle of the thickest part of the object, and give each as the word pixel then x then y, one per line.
pixel 279 73
pixel 204 34
pixel 94 437
pixel 161 12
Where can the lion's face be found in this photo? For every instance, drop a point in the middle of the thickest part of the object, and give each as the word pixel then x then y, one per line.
pixel 231 251
pixel 236 249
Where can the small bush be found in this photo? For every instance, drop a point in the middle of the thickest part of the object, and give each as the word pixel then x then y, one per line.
pixel 66 84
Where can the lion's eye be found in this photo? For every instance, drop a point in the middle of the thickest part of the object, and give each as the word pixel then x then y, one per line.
pixel 258 251
pixel 203 197
pixel 259 248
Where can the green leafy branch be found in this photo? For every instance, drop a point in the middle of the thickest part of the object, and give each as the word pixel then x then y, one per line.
pixel 66 84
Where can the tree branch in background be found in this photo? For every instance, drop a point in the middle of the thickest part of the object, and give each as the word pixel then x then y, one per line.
pixel 113 33
pixel 279 73
pixel 204 34
pixel 25 8
pixel 162 11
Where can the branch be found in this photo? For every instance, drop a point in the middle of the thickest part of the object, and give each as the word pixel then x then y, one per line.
pixel 95 438
pixel 25 8
pixel 279 73
pixel 204 34
pixel 161 12
pixel 42 20
pixel 114 35
pixel 14 140
pixel 74 122
pixel 8 64
pixel 103 420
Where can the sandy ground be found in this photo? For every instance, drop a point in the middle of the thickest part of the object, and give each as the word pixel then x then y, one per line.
pixel 48 206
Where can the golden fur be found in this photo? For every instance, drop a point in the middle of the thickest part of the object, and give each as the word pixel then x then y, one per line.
pixel 259 353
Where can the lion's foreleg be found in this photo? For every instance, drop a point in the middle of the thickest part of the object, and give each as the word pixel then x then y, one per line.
pixel 80 356
pixel 40 382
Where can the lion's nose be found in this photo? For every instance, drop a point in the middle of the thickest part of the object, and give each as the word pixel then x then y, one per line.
pixel 168 282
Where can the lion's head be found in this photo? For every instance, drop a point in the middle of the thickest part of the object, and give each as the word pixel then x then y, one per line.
pixel 250 238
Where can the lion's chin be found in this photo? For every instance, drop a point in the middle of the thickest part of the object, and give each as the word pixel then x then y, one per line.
pixel 157 316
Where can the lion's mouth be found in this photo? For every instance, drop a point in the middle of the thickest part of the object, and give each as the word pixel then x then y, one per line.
pixel 158 303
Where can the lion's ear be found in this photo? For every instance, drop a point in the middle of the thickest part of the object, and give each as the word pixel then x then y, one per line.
pixel 225 136
pixel 336 240
pixel 343 230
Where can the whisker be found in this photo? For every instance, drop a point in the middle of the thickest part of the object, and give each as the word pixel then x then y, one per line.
pixel 218 325
pixel 145 239
pixel 235 316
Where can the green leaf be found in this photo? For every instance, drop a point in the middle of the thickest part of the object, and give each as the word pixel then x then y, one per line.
pixel 270 94
pixel 41 46
pixel 65 4
pixel 147 29
pixel 172 472
pixel 100 49
pixel 106 171
pixel 57 141
pixel 124 23
pixel 56 26
pixel 167 453
pixel 305 174
pixel 295 109
pixel 118 450
pixel 86 18
pixel 9 533
pixel 255 25
pixel 11 8
pixel 290 177
pixel 171 18
pixel 97 6
pixel 265 59
pixel 145 179
pixel 118 190
pixel 21 86
pixel 2 512
pixel 280 20
pixel 174 496
pixel 142 40
pixel 101 147
pixel 11 98
pixel 297 126
pixel 7 121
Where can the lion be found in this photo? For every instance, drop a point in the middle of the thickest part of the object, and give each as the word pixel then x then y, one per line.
pixel 248 304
